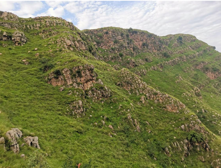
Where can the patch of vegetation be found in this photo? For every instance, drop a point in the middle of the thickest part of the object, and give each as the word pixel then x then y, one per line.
pixel 116 41
pixel 121 54
pixel 166 55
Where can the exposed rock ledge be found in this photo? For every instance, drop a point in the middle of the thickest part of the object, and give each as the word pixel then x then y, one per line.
pixel 81 77
pixel 17 37
pixel 14 135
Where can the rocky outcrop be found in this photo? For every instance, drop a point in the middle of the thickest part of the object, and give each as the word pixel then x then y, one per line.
pixel 77 108
pixel 99 93
pixel 13 135
pixel 51 21
pixel 81 77
pixel 32 141
pixel 8 16
pixel 213 75
pixel 71 43
pixel 134 122
pixel 187 145
pixel 19 38
pixel 128 42
pixel 201 65
pixel 216 163
pixel 133 84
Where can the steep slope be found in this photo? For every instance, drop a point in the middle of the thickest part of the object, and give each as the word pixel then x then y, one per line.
pixel 106 98
pixel 180 61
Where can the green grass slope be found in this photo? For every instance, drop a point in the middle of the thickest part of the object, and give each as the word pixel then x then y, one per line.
pixel 130 119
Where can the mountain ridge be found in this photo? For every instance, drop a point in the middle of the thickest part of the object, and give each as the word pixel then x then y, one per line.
pixel 145 95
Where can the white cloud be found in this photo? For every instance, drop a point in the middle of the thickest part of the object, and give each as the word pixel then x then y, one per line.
pixel 57 12
pixel 7 6
pixel 28 8
pixel 55 4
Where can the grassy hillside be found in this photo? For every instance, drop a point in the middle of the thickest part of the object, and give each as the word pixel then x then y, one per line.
pixel 108 97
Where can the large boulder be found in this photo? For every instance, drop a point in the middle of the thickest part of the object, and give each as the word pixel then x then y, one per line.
pixel 19 38
pixel 13 135
pixel 81 77
pixel 32 141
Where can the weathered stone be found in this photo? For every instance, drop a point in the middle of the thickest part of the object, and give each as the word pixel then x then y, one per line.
pixel 8 16
pixel 62 88
pixel 19 38
pixel 12 136
pixel 67 76
pixel 182 127
pixel 4 34
pixel 137 125
pixel 167 151
pixel 68 42
pixel 103 122
pixel 201 158
pixel 142 99
pixel 77 108
pixel 22 155
pixel 25 62
pixel 100 81
pixel 83 75
pixel 32 141
pixel 111 127
pixel 57 81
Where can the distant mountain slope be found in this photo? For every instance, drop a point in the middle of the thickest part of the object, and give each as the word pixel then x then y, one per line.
pixel 108 97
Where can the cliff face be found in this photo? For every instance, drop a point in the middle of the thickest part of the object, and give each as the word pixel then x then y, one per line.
pixel 84 94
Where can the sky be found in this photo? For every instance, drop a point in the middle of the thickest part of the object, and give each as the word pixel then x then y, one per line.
pixel 199 18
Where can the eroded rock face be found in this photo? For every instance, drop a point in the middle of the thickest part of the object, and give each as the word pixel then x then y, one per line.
pixel 8 16
pixel 134 122
pixel 133 84
pixel 77 108
pixel 32 141
pixel 213 75
pixel 216 163
pixel 13 135
pixel 81 77
pixel 97 94
pixel 187 146
pixel 57 81
pixel 19 38
pixel 126 41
